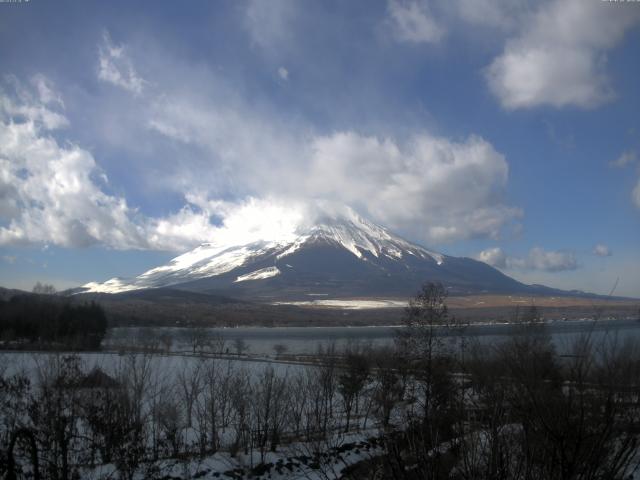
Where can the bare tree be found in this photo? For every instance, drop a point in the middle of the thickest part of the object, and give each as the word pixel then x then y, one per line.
pixel 241 392
pixel 299 401
pixel 44 289
pixel 189 380
pixel 197 338
pixel 166 340
pixel 28 436
pixel 270 409
pixel 168 415
pixel 213 407
pixel 218 343
pixel 55 413
pixel 280 349
pixel 421 342
pixel 240 346
pixel 133 412
pixel 426 313
pixel 351 381
pixel 390 386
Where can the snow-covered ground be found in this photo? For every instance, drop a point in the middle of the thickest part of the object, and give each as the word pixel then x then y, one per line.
pixel 170 365
pixel 163 377
pixel 296 461
pixel 349 304
pixel 325 459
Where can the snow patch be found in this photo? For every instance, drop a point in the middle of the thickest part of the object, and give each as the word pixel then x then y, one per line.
pixel 348 304
pixel 293 247
pixel 114 285
pixel 438 257
pixel 393 253
pixel 259 274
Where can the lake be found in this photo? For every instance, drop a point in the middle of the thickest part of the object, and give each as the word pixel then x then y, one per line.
pixel 302 340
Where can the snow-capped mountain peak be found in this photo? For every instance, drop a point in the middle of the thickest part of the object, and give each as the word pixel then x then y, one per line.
pixel 235 256
pixel 358 236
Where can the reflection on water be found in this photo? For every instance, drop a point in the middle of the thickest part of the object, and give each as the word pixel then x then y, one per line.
pixel 260 340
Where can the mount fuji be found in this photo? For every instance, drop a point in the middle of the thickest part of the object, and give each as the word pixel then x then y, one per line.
pixel 337 256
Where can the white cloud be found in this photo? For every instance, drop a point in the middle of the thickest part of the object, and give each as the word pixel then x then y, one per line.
pixel 260 219
pixel 115 67
pixel 635 195
pixel 26 104
pixel 559 58
pixel 537 259
pixel 283 73
pixel 602 250
pixel 435 188
pixel 50 192
pixel 550 261
pixel 432 188
pixel 241 151
pixel 429 187
pixel 412 21
pixel 494 257
pixel 425 21
pixel 625 158
pixel 46 91
pixel 501 14
pixel 269 23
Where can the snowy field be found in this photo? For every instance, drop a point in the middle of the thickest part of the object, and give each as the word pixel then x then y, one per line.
pixel 212 417
pixel 169 366
pixel 296 461
pixel 243 391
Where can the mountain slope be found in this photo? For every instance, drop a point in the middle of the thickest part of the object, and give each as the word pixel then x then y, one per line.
pixel 338 256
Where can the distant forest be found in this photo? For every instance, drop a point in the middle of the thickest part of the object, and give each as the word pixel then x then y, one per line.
pixel 47 321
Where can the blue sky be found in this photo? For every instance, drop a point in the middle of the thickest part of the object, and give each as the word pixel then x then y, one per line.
pixel 504 131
